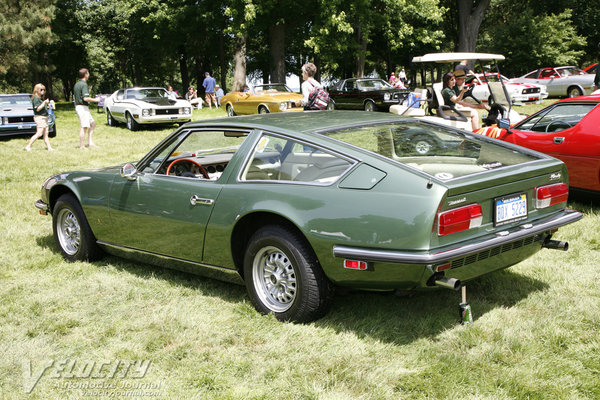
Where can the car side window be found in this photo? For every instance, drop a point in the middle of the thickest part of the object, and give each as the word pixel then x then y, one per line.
pixel 349 86
pixel 198 154
pixel 559 118
pixel 120 94
pixel 280 159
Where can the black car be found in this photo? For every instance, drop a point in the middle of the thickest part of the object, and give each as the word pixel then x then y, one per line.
pixel 16 116
pixel 367 94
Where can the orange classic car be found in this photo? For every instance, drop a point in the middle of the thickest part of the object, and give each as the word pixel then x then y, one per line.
pixel 268 98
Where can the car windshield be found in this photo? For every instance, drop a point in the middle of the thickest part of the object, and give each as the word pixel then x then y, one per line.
pixel 439 152
pixel 556 118
pixel 373 84
pixel 272 88
pixel 15 100
pixel 150 93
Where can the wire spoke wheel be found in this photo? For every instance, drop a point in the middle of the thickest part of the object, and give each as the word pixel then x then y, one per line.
pixel 68 231
pixel 274 278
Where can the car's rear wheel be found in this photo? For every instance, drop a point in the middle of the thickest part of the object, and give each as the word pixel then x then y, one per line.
pixel 72 232
pixel 230 111
pixel 263 110
pixel 110 120
pixel 574 91
pixel 132 125
pixel 283 276
pixel 369 106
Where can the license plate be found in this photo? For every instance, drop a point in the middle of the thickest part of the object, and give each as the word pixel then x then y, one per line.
pixel 510 208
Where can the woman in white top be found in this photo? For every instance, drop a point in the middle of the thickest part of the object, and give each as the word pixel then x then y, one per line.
pixel 308 72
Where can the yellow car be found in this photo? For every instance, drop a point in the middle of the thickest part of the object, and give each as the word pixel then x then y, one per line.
pixel 272 97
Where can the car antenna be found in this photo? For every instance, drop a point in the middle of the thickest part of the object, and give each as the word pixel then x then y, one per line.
pixel 429 184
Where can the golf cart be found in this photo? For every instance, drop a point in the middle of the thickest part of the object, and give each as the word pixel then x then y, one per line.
pixel 429 104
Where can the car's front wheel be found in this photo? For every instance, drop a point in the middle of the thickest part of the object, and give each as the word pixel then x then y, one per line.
pixel 423 145
pixel 369 106
pixel 72 232
pixel 574 91
pixel 263 110
pixel 283 276
pixel 132 125
pixel 230 111
pixel 110 120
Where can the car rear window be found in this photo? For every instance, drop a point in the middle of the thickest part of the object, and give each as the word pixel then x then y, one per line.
pixel 15 100
pixel 439 152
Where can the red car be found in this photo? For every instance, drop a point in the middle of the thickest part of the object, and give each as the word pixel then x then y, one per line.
pixel 591 69
pixel 568 130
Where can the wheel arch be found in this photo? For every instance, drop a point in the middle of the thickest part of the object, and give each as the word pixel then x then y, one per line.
pixel 575 86
pixel 248 225
pixel 58 190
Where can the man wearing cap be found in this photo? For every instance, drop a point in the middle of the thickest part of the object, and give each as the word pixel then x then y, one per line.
pixel 459 74
pixel 209 84
pixel 219 93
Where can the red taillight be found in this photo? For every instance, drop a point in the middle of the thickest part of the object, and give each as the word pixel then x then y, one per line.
pixel 355 264
pixel 546 196
pixel 459 219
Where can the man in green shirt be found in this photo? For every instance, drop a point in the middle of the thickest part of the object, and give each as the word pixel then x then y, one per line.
pixel 81 92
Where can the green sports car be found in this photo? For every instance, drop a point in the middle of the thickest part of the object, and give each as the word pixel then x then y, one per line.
pixel 294 204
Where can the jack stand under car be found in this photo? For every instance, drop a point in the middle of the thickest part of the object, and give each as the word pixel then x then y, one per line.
pixel 466 317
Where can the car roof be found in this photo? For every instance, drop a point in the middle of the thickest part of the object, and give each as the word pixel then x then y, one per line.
pixel 15 94
pixel 456 57
pixel 143 87
pixel 302 121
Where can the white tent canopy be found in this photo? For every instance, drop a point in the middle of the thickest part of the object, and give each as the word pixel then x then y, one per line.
pixel 456 57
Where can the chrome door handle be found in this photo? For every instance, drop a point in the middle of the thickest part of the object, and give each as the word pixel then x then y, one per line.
pixel 199 200
pixel 558 139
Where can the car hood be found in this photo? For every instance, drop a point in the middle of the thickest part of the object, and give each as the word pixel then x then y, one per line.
pixel 159 101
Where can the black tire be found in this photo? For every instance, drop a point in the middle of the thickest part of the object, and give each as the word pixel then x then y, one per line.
pixel 72 232
pixel 230 111
pixel 283 276
pixel 132 125
pixel 574 91
pixel 110 120
pixel 52 131
pixel 370 106
pixel 263 110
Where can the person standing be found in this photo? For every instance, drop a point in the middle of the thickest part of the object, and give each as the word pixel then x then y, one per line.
pixel 209 84
pixel 308 72
pixel 392 80
pixel 402 76
pixel 40 116
pixel 219 93
pixel 81 92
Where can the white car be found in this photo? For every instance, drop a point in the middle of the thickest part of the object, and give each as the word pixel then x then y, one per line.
pixel 520 93
pixel 145 105
pixel 561 81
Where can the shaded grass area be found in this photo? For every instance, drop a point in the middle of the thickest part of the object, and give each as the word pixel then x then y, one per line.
pixel 534 336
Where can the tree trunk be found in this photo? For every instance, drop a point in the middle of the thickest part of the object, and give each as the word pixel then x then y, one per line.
pixel 277 38
pixel 199 70
pixel 183 70
pixel 360 58
pixel 239 58
pixel 470 17
pixel 222 64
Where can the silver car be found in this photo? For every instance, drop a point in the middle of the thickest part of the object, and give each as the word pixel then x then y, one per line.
pixel 561 81
pixel 145 105
pixel 16 116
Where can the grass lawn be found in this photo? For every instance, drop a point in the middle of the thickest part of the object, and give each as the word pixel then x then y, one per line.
pixel 77 326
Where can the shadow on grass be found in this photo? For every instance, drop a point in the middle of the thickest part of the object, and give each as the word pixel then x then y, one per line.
pixel 583 200
pixel 377 315
pixel 401 320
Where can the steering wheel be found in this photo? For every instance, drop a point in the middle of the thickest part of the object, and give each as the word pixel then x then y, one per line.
pixel 558 123
pixel 469 93
pixel 202 169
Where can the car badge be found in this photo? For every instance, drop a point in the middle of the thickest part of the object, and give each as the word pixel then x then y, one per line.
pixel 555 176
pixel 458 201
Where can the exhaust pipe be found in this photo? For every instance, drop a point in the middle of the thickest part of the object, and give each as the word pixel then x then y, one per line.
pixel 448 283
pixel 556 244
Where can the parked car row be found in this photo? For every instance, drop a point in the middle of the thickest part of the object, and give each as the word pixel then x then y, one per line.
pixel 561 81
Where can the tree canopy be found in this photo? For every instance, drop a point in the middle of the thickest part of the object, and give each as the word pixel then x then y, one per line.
pixel 173 42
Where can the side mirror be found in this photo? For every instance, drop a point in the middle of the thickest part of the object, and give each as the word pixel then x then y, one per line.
pixel 129 172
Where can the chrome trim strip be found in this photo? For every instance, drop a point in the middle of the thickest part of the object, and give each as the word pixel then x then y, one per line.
pixel 564 218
